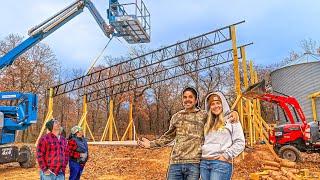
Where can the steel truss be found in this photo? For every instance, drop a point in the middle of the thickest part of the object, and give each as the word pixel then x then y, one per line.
pixel 192 55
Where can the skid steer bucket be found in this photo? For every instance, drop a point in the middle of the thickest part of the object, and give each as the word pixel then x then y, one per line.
pixel 255 90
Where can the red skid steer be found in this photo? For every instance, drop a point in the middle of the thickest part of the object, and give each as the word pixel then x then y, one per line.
pixel 295 136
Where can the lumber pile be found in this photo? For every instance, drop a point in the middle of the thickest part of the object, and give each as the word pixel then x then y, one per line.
pixel 282 169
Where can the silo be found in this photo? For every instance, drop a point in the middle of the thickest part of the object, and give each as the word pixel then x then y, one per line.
pixel 299 79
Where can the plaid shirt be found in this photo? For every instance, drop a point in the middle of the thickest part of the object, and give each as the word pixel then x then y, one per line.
pixel 73 152
pixel 52 153
pixel 72 144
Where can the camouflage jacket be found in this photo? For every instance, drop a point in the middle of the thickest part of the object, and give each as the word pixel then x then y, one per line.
pixel 186 128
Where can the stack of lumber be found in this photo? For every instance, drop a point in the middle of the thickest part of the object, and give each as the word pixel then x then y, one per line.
pixel 283 170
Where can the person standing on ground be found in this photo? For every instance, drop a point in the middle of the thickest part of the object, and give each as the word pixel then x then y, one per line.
pixel 223 140
pixel 78 151
pixel 52 153
pixel 186 128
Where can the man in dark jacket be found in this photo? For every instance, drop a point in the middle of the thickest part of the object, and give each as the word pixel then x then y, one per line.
pixel 52 153
pixel 78 151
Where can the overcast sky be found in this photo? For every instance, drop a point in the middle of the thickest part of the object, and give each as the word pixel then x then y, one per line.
pixel 275 26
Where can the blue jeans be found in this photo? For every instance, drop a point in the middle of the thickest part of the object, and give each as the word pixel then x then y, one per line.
pixel 75 170
pixel 215 170
pixel 185 171
pixel 51 176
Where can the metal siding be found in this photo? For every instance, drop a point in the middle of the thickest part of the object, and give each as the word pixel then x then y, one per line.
pixel 299 81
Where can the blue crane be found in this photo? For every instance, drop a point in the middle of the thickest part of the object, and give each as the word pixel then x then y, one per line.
pixel 19 110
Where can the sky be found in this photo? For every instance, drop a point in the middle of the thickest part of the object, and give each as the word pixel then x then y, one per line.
pixel 276 27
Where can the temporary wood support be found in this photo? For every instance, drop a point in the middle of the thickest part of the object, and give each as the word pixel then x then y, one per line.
pixel 131 130
pixel 313 97
pixel 83 121
pixel 48 116
pixel 110 125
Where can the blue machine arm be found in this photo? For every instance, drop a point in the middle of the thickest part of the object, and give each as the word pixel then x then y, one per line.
pixel 107 29
pixel 44 29
pixel 24 113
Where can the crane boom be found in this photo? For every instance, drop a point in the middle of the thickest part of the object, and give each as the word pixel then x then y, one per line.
pixel 21 115
pixel 53 23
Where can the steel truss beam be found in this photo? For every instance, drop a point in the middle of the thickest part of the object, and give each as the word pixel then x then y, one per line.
pixel 161 74
pixel 201 46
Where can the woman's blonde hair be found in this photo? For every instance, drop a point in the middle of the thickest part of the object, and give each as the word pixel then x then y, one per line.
pixel 214 122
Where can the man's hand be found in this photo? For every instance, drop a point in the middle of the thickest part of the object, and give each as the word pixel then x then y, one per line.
pixel 233 117
pixel 144 143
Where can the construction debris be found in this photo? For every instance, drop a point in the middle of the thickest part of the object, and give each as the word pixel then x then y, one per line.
pixel 282 169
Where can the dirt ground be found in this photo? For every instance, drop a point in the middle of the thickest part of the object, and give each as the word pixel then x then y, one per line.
pixel 133 163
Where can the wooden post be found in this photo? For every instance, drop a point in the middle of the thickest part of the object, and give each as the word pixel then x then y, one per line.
pixel 110 125
pixel 48 116
pixel 83 121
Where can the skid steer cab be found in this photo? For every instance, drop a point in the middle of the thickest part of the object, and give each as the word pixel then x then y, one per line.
pixel 289 140
pixel 297 134
pixel 17 112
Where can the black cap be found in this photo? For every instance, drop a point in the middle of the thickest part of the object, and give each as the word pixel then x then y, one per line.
pixel 49 124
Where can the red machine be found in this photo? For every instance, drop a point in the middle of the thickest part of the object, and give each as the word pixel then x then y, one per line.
pixel 295 136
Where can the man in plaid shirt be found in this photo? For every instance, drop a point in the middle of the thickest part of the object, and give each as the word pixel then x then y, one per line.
pixel 52 153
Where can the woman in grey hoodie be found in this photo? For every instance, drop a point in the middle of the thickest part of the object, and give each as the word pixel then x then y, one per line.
pixel 223 140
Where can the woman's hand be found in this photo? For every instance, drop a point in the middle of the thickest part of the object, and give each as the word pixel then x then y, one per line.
pixel 144 143
pixel 222 158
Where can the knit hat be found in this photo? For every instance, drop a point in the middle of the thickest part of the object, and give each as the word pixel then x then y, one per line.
pixel 75 129
pixel 213 97
pixel 49 124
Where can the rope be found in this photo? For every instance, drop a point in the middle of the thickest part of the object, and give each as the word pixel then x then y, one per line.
pixel 97 58
pixel 132 50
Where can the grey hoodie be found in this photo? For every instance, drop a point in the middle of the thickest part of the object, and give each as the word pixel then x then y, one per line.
pixel 228 141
